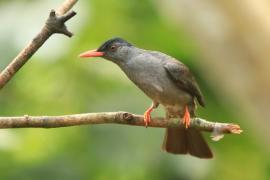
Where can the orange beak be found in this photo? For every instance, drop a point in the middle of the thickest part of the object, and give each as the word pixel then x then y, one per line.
pixel 91 53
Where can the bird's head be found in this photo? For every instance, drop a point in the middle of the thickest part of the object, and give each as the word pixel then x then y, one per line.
pixel 115 49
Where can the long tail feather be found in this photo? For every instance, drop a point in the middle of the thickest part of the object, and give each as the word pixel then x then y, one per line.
pixel 183 141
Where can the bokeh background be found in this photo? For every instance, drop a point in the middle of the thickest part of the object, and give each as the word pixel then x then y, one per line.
pixel 225 44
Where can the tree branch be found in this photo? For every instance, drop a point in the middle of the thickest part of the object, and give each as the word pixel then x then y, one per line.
pixel 54 24
pixel 217 129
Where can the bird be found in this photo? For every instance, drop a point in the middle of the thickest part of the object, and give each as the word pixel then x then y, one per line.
pixel 166 81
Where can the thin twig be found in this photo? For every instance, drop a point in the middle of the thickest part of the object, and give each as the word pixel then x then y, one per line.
pixel 54 24
pixel 112 118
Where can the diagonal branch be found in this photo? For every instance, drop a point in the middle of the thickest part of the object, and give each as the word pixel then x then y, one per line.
pixel 217 129
pixel 54 24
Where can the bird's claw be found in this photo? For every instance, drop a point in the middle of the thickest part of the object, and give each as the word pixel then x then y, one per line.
pixel 147 118
pixel 147 114
pixel 186 118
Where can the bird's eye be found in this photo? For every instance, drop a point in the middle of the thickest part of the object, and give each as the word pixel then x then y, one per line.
pixel 113 48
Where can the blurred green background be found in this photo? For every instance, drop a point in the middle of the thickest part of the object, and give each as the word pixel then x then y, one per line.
pixel 55 82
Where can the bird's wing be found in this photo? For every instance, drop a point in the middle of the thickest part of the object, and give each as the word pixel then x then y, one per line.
pixel 184 79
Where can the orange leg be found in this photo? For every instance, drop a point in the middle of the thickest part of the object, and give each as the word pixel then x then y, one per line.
pixel 147 114
pixel 186 118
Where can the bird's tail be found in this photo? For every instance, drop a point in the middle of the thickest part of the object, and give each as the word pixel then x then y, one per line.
pixel 183 141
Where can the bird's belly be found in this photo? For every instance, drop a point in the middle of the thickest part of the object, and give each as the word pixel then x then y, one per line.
pixel 164 91
pixel 173 96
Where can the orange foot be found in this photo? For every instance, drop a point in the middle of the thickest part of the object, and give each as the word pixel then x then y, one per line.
pixel 147 115
pixel 186 118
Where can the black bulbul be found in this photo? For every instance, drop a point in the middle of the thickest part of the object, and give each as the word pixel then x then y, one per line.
pixel 166 81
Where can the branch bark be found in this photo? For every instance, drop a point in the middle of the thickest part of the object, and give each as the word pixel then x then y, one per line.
pixel 125 118
pixel 54 24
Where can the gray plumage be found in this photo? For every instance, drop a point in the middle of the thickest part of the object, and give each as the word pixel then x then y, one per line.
pixel 166 81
